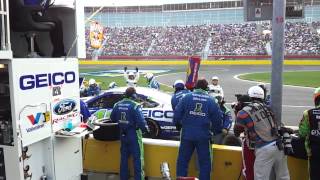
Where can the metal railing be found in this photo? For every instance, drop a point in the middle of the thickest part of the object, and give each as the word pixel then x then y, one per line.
pixel 5 26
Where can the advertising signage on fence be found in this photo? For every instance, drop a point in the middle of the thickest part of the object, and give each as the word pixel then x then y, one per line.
pixel 261 10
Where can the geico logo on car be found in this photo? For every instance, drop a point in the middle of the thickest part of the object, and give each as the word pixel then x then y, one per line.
pixel 157 113
pixel 31 81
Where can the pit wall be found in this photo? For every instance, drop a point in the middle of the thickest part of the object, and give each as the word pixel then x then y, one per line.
pixel 104 157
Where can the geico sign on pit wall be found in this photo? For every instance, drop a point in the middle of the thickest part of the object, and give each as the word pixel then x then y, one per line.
pixel 31 81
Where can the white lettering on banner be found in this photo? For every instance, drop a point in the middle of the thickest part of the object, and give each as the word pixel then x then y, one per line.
pixel 195 74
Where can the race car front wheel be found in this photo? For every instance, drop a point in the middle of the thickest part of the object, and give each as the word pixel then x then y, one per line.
pixel 154 129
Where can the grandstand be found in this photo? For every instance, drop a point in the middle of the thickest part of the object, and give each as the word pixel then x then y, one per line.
pixel 197 27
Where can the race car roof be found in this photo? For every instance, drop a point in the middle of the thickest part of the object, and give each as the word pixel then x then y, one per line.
pixel 157 95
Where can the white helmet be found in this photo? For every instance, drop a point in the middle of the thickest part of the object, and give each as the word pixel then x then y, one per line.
pixel 215 78
pixel 92 81
pixel 149 76
pixel 256 92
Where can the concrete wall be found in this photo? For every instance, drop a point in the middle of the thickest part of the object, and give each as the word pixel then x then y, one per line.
pixel 104 157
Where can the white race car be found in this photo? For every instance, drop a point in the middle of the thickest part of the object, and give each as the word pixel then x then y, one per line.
pixel 156 108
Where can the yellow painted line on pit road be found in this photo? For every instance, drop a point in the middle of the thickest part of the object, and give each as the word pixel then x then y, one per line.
pixel 204 62
pixel 303 62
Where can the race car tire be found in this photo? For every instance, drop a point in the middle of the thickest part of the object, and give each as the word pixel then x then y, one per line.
pixel 154 129
pixel 108 131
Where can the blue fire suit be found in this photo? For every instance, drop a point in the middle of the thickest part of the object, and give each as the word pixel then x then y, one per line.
pixel 130 118
pixel 199 115
pixel 227 117
pixel 93 90
pixel 226 124
pixel 84 111
pixel 154 84
pixel 177 96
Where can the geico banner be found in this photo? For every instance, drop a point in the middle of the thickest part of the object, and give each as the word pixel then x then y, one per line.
pixel 31 81
pixel 42 81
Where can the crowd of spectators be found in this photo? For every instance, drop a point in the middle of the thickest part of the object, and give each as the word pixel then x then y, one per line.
pixel 236 39
pixel 132 41
pixel 301 38
pixel 316 25
pixel 181 41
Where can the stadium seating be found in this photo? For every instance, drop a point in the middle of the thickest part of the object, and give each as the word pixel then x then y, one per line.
pixel 301 38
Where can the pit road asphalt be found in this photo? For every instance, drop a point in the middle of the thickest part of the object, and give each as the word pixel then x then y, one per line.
pixel 294 101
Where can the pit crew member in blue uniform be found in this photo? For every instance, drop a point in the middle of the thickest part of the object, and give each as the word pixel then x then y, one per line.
pixel 152 82
pixel 227 117
pixel 93 89
pixel 199 116
pixel 309 128
pixel 180 91
pixel 129 115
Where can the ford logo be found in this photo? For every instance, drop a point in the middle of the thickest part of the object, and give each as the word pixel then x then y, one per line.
pixel 64 107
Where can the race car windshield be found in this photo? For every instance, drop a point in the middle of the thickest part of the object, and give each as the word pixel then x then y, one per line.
pixel 146 102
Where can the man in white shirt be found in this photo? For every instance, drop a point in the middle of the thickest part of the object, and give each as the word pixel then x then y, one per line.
pixel 215 85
